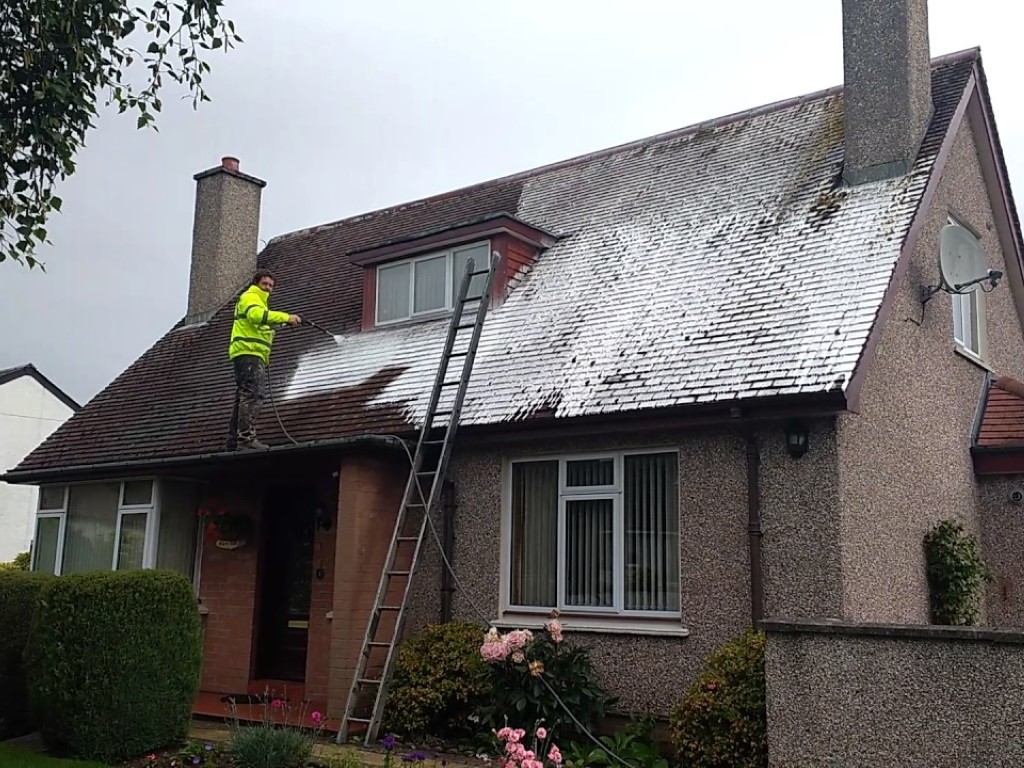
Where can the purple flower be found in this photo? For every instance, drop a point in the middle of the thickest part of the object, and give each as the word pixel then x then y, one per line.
pixel 208 747
pixel 414 757
pixel 389 742
pixel 197 760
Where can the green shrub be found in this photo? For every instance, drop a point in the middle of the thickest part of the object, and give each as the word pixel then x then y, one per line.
pixel 263 746
pixel 529 670
pixel 113 662
pixel 722 721
pixel 19 592
pixel 439 679
pixel 957 574
pixel 21 562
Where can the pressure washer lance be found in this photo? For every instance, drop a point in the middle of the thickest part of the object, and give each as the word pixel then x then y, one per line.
pixel 336 339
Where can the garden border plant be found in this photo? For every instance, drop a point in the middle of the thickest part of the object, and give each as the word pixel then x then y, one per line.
pixel 957 574
pixel 19 594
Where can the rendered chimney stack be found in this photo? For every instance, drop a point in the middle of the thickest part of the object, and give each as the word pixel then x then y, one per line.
pixel 888 87
pixel 225 237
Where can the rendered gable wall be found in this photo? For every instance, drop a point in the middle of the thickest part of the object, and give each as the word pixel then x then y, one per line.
pixel 904 460
pixel 28 414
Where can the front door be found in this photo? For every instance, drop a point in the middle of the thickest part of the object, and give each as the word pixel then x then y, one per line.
pixel 286 565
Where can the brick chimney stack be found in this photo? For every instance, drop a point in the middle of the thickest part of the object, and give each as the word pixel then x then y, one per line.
pixel 225 237
pixel 888 88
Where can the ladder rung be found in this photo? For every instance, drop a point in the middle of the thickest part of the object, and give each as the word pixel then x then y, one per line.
pixel 378 644
pixel 451 383
pixel 410 538
pixel 426 474
pixel 390 608
pixel 457 354
pixel 442 413
pixel 433 442
pixel 399 573
pixel 359 720
pixel 479 272
pixel 471 298
pixel 368 681
pixel 463 326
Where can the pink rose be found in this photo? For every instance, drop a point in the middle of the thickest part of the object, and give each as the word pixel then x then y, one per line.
pixel 555 755
pixel 542 733
pixel 316 717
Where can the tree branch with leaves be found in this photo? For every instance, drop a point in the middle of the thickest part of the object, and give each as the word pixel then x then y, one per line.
pixel 58 60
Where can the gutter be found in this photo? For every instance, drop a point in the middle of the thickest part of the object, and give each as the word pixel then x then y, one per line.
pixel 65 473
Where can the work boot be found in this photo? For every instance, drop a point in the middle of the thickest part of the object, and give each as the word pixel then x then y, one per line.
pixel 252 444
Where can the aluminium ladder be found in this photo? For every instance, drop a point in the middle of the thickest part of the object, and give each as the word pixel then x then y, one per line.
pixel 368 693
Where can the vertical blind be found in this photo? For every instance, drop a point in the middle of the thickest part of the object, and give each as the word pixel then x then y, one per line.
pixel 589 557
pixel 651 521
pixel 534 533
pixel 91 526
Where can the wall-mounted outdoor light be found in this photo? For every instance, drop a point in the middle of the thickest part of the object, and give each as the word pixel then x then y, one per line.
pixel 796 439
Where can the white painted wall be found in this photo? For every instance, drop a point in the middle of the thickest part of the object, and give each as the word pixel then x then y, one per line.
pixel 28 414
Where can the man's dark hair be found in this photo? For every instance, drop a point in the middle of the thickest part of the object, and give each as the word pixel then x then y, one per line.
pixel 260 274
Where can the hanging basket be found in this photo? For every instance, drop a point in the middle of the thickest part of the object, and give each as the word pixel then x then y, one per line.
pixel 225 528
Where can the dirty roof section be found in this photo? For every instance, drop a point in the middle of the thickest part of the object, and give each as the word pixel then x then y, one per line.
pixel 1002 416
pixel 720 262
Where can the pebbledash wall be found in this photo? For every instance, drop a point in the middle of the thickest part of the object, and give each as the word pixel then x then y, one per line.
pixel 904 460
pixel 650 672
pixel 864 696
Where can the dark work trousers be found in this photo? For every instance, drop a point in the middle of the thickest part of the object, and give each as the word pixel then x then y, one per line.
pixel 250 389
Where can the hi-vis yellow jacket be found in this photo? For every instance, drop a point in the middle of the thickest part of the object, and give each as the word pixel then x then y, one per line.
pixel 251 333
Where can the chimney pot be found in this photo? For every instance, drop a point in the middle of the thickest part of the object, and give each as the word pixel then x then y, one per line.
pixel 887 91
pixel 231 163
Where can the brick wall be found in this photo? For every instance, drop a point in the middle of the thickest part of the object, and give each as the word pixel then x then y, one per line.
pixel 369 494
pixel 227 589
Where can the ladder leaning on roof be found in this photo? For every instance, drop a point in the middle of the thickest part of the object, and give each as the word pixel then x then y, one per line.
pixel 370 682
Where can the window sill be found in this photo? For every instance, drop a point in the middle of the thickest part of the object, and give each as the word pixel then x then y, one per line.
pixel 964 352
pixel 610 625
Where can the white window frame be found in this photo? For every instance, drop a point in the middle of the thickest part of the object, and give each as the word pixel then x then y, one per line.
pixel 565 493
pixel 62 514
pixel 449 291
pixel 152 510
pixel 968 311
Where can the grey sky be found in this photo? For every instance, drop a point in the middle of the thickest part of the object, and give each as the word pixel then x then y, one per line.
pixel 347 107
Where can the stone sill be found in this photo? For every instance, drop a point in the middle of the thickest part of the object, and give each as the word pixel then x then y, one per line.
pixel 970 356
pixel 203 610
pixel 896 631
pixel 598 625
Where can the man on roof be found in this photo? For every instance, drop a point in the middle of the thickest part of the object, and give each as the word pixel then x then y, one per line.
pixel 252 335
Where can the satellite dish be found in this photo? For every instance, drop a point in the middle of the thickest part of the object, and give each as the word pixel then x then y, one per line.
pixel 962 262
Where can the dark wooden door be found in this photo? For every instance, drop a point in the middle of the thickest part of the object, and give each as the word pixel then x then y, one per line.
pixel 286 569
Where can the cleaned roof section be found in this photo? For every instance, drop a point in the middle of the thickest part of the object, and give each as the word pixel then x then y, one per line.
pixel 718 262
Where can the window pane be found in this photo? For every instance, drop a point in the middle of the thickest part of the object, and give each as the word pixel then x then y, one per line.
pixel 176 547
pixel 51 497
pixel 133 540
pixel 535 533
pixel 91 526
pixel 393 292
pixel 479 254
pixel 589 554
pixel 138 492
pixel 651 514
pixel 589 472
pixel 428 293
pixel 47 531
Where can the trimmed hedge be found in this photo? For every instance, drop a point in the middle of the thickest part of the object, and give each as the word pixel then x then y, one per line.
pixel 113 662
pixel 19 591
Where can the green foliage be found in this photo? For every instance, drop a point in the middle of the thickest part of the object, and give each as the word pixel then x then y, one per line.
pixel 19 757
pixel 19 592
pixel 268 747
pixel 722 720
pixel 525 689
pixel 21 562
pixel 278 740
pixel 56 60
pixel 957 574
pixel 113 662
pixel 439 679
pixel 634 744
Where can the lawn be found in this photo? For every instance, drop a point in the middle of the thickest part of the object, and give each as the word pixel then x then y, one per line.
pixel 17 757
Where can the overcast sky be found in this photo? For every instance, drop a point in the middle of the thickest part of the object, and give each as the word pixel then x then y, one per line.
pixel 344 107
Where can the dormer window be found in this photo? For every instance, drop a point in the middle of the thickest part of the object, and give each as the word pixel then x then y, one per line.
pixel 427 285
pixel 417 276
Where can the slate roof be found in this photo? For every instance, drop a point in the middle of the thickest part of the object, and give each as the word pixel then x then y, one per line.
pixel 1001 420
pixel 717 262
